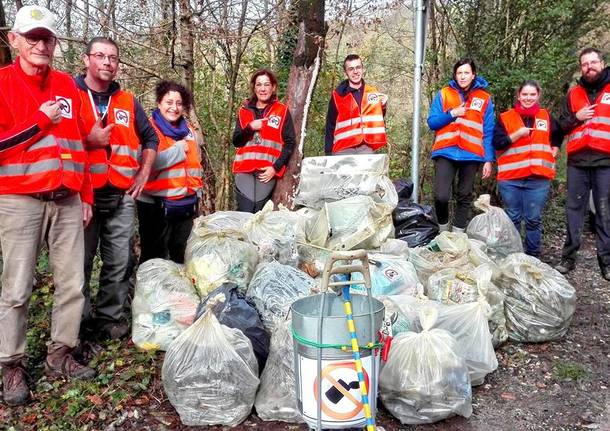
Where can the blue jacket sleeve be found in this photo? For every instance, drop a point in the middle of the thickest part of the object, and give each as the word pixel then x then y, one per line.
pixel 489 122
pixel 437 118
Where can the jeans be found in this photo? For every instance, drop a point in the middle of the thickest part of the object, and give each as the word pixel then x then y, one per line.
pixel 445 172
pixel 580 182
pixel 524 199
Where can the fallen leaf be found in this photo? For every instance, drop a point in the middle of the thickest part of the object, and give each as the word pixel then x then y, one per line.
pixel 508 396
pixel 96 400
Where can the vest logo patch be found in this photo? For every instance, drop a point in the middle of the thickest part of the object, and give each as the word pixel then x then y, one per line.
pixel 542 125
pixel 190 135
pixel 121 117
pixel 274 121
pixel 605 99
pixel 373 98
pixel 476 104
pixel 65 106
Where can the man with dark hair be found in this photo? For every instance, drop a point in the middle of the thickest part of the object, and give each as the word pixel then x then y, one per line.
pixel 121 146
pixel 585 118
pixel 45 196
pixel 355 119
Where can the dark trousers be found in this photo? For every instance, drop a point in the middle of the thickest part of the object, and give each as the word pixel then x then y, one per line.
pixel 160 237
pixel 580 182
pixel 444 176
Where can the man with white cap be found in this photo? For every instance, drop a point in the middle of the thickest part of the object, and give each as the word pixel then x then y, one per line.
pixel 45 196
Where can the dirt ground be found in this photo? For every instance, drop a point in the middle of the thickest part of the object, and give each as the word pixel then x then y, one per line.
pixel 549 386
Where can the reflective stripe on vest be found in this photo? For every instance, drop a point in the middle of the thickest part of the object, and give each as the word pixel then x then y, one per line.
pixel 465 132
pixel 266 145
pixel 530 155
pixel 357 125
pixel 181 179
pixel 594 133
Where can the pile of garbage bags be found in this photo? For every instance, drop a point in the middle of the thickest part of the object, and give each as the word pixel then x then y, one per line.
pixel 450 298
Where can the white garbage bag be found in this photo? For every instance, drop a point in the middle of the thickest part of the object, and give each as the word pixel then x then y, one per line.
pixel 164 304
pixel 210 374
pixel 216 257
pixel 221 220
pixel 333 178
pixel 390 275
pixel 276 397
pixel 495 229
pixel 539 301
pixel 425 380
pixel 273 289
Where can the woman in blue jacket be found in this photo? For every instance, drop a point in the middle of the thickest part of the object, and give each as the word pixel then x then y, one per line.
pixel 462 117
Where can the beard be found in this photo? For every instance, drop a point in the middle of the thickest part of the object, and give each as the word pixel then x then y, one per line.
pixel 592 77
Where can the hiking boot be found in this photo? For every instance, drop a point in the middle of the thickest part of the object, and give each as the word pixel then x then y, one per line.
pixel 565 266
pixel 113 330
pixel 61 363
pixel 15 386
pixel 606 273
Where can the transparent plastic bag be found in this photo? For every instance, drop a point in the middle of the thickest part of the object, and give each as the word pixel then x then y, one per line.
pixel 425 380
pixel 221 220
pixel 276 397
pixel 315 225
pixel 427 261
pixel 454 286
pixel 216 257
pixel 390 275
pixel 210 373
pixel 333 178
pixel 274 287
pixel 396 247
pixel 276 234
pixel 164 304
pixel 495 229
pixel 539 301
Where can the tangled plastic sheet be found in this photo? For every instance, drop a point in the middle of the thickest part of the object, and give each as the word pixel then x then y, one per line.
pixel 165 304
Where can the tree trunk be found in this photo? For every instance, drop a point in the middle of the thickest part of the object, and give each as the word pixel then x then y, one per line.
pixel 187 69
pixel 5 50
pixel 301 83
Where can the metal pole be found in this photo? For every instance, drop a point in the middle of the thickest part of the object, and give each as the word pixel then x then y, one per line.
pixel 420 33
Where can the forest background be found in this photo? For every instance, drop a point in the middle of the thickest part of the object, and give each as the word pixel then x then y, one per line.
pixel 214 45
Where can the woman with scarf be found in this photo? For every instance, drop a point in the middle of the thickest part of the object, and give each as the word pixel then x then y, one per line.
pixel 462 117
pixel 168 205
pixel 527 139
pixel 264 140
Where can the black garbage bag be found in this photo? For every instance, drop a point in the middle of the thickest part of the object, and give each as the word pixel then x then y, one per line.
pixel 404 188
pixel 415 224
pixel 239 313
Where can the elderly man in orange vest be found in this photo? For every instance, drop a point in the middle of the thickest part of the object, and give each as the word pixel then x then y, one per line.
pixel 355 120
pixel 585 118
pixel 45 195
pixel 121 146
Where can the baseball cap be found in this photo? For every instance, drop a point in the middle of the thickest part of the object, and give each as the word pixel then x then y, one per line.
pixel 32 17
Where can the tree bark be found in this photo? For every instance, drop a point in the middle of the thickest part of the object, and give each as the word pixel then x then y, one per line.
pixel 301 83
pixel 5 50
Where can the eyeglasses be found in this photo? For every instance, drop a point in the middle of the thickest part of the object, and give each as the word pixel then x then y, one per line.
pixel 33 39
pixel 101 57
pixel 590 63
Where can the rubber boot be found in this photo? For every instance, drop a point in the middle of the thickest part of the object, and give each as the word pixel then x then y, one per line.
pixel 443 227
pixel 457 229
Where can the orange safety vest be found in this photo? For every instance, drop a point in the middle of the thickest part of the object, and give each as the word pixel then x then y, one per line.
pixel 58 159
pixel 358 125
pixel 466 131
pixel 266 144
pixel 181 179
pixel 593 133
pixel 120 166
pixel 530 155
